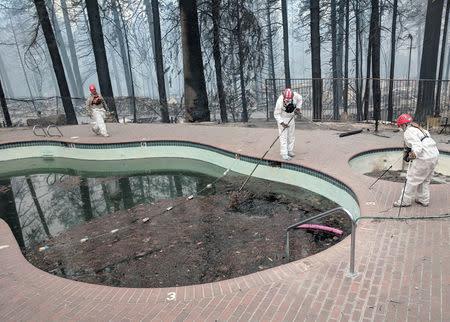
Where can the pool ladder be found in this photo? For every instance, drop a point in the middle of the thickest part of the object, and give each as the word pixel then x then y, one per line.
pixel 46 131
pixel 321 215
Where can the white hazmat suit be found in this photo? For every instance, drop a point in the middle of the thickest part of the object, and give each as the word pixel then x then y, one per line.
pixel 421 168
pixel 287 137
pixel 98 113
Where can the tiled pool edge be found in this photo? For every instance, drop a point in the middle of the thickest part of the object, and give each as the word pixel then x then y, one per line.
pixel 178 143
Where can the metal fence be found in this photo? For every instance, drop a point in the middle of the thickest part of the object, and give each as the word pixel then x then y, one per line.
pixel 404 100
pixel 23 109
pixel 404 97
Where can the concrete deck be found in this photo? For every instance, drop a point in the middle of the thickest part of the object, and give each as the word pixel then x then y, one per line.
pixel 403 267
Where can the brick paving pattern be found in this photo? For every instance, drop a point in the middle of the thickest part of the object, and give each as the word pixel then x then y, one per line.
pixel 403 267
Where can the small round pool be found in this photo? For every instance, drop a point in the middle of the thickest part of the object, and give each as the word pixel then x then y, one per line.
pixel 375 162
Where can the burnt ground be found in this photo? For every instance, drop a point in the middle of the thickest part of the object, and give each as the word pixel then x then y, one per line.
pixel 217 236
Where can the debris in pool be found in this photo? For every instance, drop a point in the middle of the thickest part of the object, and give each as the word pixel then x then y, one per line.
pixel 320 227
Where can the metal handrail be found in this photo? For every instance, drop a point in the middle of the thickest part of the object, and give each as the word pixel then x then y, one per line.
pixel 324 214
pixel 48 130
pixel 39 127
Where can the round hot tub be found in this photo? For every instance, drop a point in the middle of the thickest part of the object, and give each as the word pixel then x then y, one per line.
pixel 375 162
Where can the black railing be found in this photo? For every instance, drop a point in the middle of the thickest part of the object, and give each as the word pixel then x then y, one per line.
pixel 405 98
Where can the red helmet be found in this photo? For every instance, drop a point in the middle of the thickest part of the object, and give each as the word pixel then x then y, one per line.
pixel 92 88
pixel 403 119
pixel 288 96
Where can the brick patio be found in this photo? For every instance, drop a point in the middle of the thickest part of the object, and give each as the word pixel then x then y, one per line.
pixel 403 267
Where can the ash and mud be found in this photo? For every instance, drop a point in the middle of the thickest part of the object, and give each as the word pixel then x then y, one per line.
pixel 210 238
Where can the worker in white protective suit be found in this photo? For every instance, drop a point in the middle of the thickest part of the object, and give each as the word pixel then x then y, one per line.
pixel 96 108
pixel 423 155
pixel 287 107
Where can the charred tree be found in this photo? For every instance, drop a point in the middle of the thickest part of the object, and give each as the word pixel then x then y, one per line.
pixel 367 85
pixel 241 56
pixel 315 59
pixel 72 50
pixel 159 63
pixel 287 72
pixel 392 66
pixel 347 27
pixel 334 61
pixel 101 60
pixel 340 50
pixel 437 110
pixel 56 60
pixel 215 12
pixel 428 66
pixel 270 54
pixel 4 77
pixel 123 52
pixel 4 106
pixel 196 99
pixel 358 85
pixel 375 32
pixel 62 49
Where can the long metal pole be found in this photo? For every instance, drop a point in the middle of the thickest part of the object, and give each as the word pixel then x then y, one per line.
pixel 259 162
pixel 403 191
pixel 385 172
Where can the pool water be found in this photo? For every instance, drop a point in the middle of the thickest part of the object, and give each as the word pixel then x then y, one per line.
pixel 40 203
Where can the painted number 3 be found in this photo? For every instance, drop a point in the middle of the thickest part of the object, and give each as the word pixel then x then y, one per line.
pixel 171 296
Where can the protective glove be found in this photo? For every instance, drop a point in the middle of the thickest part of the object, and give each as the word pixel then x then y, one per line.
pixel 408 155
pixel 297 112
pixel 284 125
pixel 97 100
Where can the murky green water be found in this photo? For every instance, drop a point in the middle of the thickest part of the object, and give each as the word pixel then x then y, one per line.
pixel 40 205
pixel 41 198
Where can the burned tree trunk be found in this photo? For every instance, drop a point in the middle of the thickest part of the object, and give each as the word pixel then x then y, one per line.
pixel 425 95
pixel 100 54
pixel 4 106
pixel 315 60
pixel 56 60
pixel 196 99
